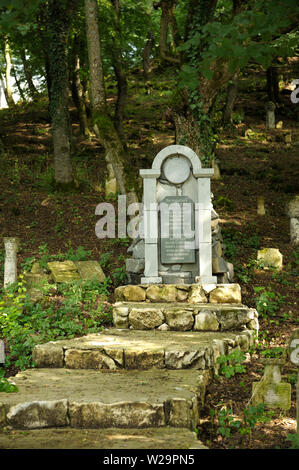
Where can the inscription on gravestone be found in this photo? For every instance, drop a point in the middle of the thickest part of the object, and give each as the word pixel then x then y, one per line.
pixel 177 230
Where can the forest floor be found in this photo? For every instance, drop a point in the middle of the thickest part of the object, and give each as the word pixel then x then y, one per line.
pixel 254 164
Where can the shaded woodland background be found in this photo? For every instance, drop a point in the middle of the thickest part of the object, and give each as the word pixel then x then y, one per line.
pixel 103 87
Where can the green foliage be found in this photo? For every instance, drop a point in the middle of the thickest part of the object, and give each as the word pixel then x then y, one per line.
pixel 294 439
pixel 76 309
pixel 267 302
pixel 5 385
pixel 231 364
pixel 226 422
pixel 119 275
pixel 255 34
pixel 251 416
pixel 238 117
pixel 105 259
pixel 224 202
pixel 80 254
pixel 294 264
pixel 276 352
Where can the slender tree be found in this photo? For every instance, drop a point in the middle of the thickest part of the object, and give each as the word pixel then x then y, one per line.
pixel 103 123
pixel 77 87
pixel 56 19
pixel 31 87
pixel 122 84
pixel 8 66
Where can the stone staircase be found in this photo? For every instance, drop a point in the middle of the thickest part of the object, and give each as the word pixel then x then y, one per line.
pixel 138 380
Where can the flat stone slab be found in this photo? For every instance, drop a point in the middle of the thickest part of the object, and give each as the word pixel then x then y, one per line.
pixel 90 270
pixel 64 438
pixel 63 271
pixel 98 399
pixel 115 349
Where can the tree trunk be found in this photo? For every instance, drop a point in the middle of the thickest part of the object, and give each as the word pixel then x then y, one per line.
pixel 77 91
pixel 232 91
pixel 32 90
pixel 103 124
pixel 8 66
pixel 272 85
pixel 146 56
pixel 167 7
pixel 22 96
pixel 58 29
pixel 122 84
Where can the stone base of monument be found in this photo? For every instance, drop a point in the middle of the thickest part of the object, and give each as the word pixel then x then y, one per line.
pixel 183 307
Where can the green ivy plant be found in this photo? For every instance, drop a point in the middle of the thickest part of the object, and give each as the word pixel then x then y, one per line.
pixel 5 385
pixel 231 364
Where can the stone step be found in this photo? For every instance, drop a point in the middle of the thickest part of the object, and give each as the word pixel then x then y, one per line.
pixel 184 316
pixel 115 349
pixel 112 438
pixel 49 398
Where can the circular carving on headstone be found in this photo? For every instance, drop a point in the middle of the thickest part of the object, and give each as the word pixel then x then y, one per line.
pixel 176 169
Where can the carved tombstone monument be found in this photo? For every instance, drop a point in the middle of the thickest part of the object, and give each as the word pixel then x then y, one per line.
pixel 177 219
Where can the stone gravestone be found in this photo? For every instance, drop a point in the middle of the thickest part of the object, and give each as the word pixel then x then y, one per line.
pixel 10 265
pixel 177 219
pixel 2 352
pixel 180 238
pixel 270 115
pixel 293 213
pixel 294 358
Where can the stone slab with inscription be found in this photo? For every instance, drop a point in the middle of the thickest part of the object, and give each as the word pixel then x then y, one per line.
pixel 176 246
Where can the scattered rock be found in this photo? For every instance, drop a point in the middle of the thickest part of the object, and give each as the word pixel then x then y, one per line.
pixel 84 359
pixel 161 294
pixel 179 319
pixel 206 321
pixel 146 318
pixel 134 293
pixel 270 258
pixel 293 207
pixel 120 317
pixel 48 355
pixel 185 359
pixel 38 414
pixel 63 271
pixel 135 265
pixel 163 327
pixel 90 270
pixel 197 295
pixel 226 293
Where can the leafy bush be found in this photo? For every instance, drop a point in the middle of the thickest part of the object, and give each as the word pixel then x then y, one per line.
pixel 294 439
pixel 268 302
pixel 76 309
pixel 277 352
pixel 231 364
pixel 5 385
pixel 251 416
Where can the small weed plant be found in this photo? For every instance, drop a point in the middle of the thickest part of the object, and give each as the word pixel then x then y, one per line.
pixel 267 301
pixel 5 385
pixel 252 415
pixel 231 364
